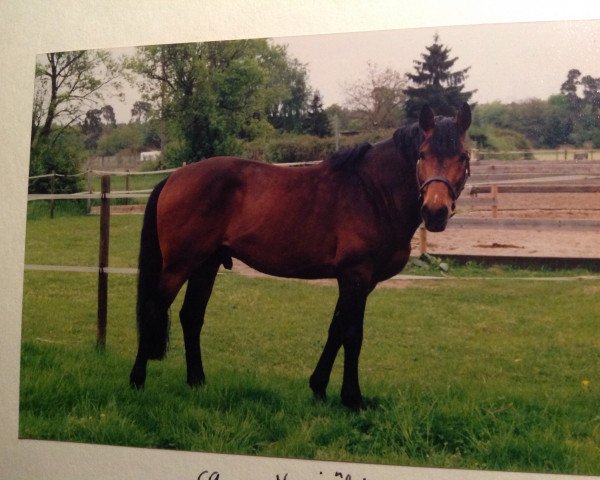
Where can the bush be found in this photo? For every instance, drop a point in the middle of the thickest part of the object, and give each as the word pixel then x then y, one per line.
pixel 62 154
pixel 289 148
pixel 298 148
pixel 501 140
pixel 135 136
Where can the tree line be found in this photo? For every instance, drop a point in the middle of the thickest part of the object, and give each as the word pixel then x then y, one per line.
pixel 203 99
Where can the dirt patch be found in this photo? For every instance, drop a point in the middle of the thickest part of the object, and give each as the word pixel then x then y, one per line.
pixel 513 242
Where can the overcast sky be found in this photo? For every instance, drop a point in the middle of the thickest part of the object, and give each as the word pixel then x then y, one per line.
pixel 509 62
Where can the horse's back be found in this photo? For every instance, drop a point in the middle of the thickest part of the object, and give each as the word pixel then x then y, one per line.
pixel 277 219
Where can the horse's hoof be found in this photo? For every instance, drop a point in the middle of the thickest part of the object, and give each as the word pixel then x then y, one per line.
pixel 355 403
pixel 320 396
pixel 137 381
pixel 318 388
pixel 136 384
pixel 358 402
pixel 196 382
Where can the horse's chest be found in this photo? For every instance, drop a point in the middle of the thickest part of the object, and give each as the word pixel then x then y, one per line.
pixel 393 263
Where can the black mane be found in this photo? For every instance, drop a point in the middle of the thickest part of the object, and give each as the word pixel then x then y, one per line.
pixel 348 157
pixel 408 139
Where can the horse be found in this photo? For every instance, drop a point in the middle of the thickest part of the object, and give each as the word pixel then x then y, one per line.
pixel 350 218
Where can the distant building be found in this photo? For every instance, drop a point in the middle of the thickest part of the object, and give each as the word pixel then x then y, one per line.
pixel 151 155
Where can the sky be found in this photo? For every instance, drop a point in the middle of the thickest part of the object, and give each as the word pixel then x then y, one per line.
pixel 509 62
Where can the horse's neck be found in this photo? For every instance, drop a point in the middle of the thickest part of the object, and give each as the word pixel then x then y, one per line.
pixel 392 171
pixel 392 177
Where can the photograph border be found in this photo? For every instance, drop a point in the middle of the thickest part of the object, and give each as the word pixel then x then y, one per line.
pixel 34 27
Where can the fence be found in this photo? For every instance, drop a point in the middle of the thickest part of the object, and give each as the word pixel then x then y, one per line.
pixel 568 153
pixel 104 195
pixel 495 177
pixel 487 177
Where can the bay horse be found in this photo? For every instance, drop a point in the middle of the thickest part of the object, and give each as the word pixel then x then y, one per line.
pixel 350 218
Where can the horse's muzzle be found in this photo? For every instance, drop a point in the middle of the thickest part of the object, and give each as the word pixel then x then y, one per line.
pixel 435 219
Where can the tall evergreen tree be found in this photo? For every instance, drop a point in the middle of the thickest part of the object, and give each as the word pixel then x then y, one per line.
pixel 434 83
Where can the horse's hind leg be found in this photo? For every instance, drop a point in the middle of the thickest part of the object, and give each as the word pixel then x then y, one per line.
pixel 153 323
pixel 198 292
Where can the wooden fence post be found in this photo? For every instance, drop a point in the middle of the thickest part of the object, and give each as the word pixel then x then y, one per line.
pixel 88 179
pixel 127 186
pixel 494 190
pixel 422 240
pixel 103 262
pixel 52 181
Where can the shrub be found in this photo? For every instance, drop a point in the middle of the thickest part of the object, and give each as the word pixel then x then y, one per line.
pixel 501 140
pixel 289 148
pixel 60 153
pixel 135 136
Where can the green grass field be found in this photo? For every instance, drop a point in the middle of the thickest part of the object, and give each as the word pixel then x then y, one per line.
pixel 496 374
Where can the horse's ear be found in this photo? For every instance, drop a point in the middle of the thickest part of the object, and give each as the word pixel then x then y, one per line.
pixel 463 117
pixel 426 119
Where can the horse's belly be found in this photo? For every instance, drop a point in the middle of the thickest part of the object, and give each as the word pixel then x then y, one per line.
pixel 285 257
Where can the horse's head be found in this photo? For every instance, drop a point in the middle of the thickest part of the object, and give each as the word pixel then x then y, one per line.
pixel 443 165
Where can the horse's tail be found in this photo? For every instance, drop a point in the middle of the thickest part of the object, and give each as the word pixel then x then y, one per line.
pixel 152 313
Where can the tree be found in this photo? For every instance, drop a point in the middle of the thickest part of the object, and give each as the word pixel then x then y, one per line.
pixel 591 93
pixel 96 122
pixel 435 84
pixel 316 121
pixel 108 115
pixel 212 94
pixel 288 82
pixel 569 89
pixel 582 112
pixel 67 85
pixel 379 98
pixel 544 123
pixel 92 128
pixel 141 111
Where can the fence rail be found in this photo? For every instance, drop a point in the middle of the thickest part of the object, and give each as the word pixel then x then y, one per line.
pixel 90 196
pixel 557 154
pixel 487 176
pixel 525 223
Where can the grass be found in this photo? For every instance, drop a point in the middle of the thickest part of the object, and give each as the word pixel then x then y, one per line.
pixel 136 182
pixel 498 375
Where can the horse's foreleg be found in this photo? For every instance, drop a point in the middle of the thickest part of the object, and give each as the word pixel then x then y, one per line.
pixel 352 341
pixel 346 329
pixel 320 377
pixel 353 313
pixel 191 316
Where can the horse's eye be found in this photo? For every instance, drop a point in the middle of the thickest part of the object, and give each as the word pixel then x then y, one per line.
pixel 464 157
pixel 421 155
